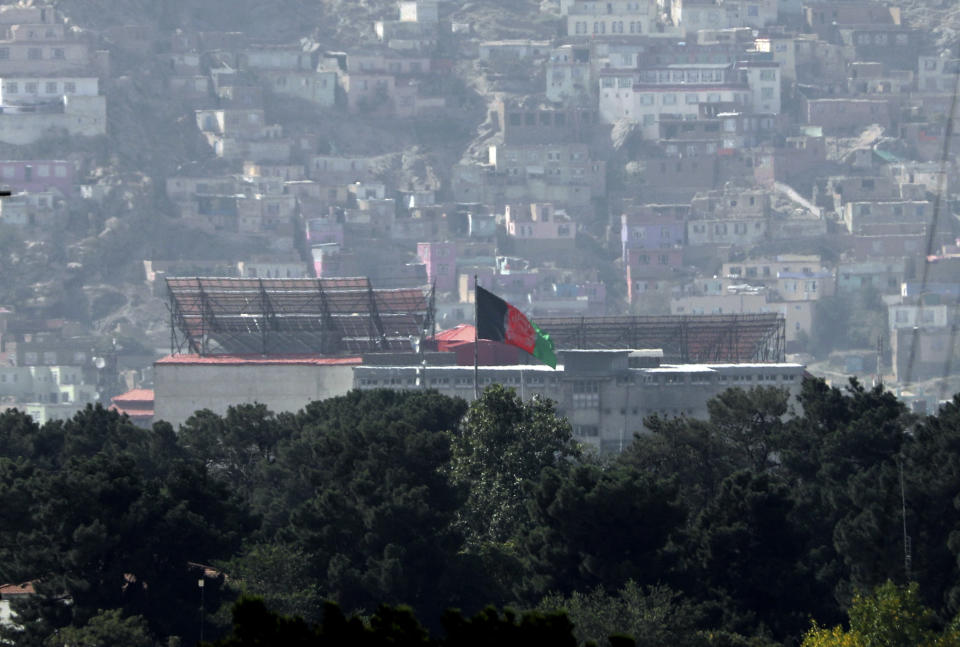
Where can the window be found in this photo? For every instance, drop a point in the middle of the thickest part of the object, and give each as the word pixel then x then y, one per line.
pixel 10 88
pixel 30 88
pixel 58 53
pixel 50 87
pixel 586 394
pixel 586 431
pixel 690 99
pixel 34 53
pixel 646 99
pixel 768 75
pixel 4 53
pixel 669 99
pixel 766 93
pixel 60 170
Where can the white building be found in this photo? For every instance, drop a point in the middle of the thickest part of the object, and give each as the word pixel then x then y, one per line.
pixel 568 75
pixel 678 91
pixel 937 73
pixel 913 315
pixel 763 79
pixel 30 90
pixel 693 15
pixel 317 87
pixel 420 11
pixel 592 18
pixel 31 107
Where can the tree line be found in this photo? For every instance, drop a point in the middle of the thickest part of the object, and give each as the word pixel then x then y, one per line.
pixel 366 518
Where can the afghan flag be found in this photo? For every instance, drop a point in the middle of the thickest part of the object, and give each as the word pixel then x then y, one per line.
pixel 497 320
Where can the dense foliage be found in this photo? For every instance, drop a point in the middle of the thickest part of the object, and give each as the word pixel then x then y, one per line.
pixel 741 529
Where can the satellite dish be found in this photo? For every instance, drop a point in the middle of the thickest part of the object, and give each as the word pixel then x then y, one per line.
pixel 99 362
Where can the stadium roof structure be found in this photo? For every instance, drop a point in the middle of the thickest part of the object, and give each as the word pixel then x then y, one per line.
pixel 334 317
pixel 684 339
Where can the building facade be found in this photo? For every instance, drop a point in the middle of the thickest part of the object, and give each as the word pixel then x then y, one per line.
pixel 605 394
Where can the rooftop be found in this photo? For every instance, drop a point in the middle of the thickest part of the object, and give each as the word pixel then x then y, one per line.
pixel 135 395
pixel 9 590
pixel 255 360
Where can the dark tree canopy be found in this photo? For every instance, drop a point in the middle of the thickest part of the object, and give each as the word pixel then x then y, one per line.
pixel 396 505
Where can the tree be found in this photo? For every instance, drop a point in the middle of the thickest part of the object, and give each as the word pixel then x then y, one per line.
pixel 840 458
pixel 105 628
pixel 744 431
pixel 108 516
pixel 502 447
pixel 597 527
pixel 891 616
pixel 254 624
pixel 748 551
pixel 931 471
pixel 369 501
pixel 237 446
pixel 279 573
pixel 651 616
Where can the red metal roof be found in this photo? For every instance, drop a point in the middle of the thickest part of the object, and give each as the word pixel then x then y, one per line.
pixel 252 360
pixel 134 395
pixel 461 332
pixel 7 590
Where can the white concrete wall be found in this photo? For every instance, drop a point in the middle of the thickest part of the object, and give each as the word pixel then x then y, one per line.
pixel 82 116
pixel 182 389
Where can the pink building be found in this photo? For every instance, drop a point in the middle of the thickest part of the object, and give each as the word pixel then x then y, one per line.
pixel 540 222
pixel 441 262
pixel 38 176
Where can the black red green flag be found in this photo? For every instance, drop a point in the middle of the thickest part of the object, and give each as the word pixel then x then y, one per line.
pixel 497 320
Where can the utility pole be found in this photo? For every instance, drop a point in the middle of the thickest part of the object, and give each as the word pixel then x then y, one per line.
pixel 907 548
pixel 202 613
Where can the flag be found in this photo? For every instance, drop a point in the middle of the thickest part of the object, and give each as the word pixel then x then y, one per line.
pixel 497 320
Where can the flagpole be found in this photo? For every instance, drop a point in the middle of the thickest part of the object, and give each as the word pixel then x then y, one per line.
pixel 476 343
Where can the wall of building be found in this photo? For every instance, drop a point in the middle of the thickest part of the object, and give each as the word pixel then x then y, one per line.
pixel 605 401
pixel 79 116
pixel 182 388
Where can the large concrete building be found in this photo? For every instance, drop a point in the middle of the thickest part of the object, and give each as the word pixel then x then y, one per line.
pixel 184 384
pixel 606 394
